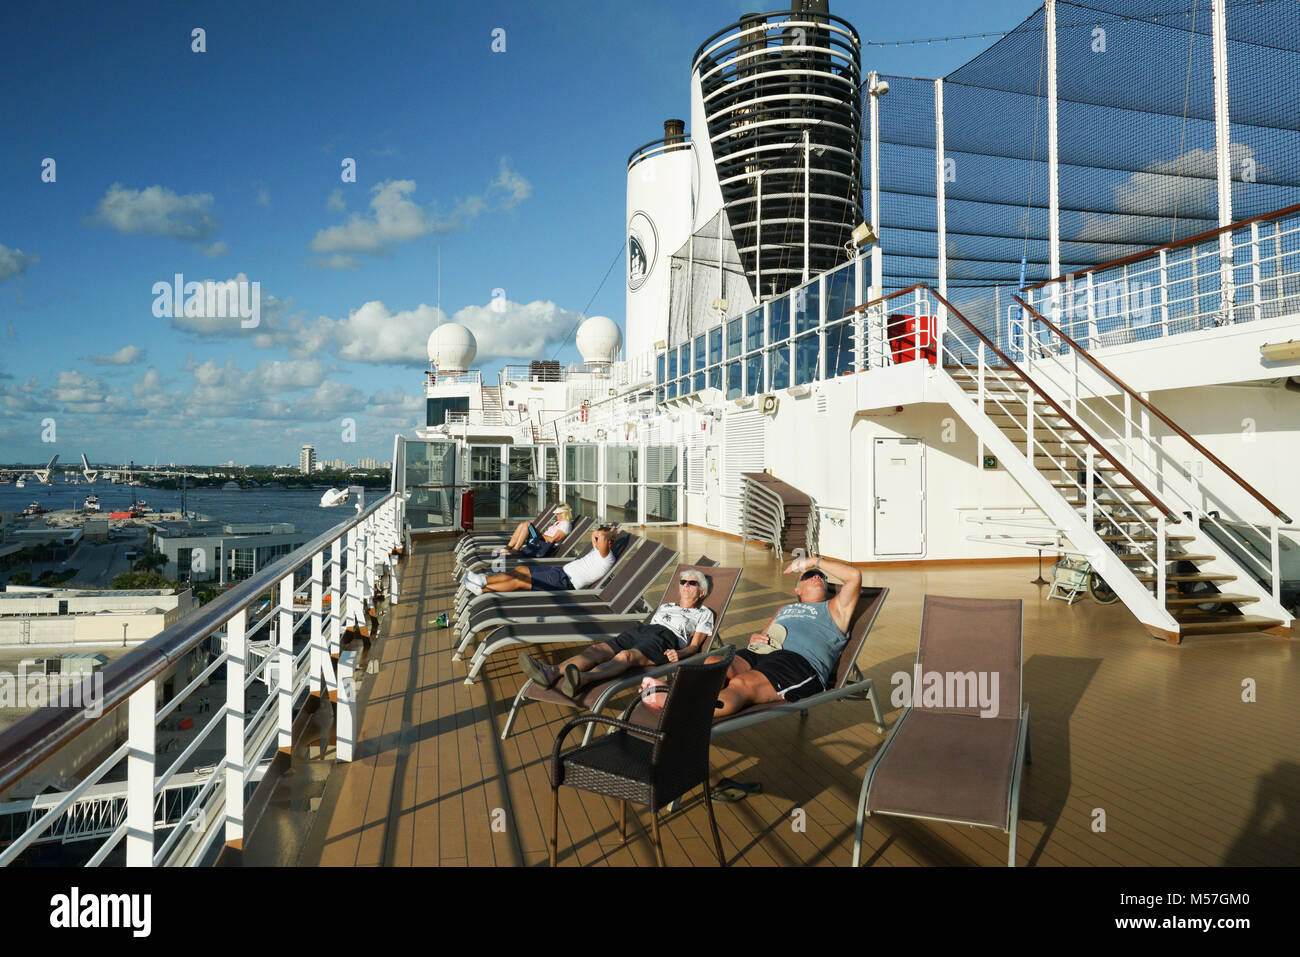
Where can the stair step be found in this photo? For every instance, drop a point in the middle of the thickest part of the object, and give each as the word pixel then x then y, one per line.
pixel 1168 558
pixel 1227 625
pixel 1110 503
pixel 1113 485
pixel 1174 579
pixel 1147 538
pixel 1222 598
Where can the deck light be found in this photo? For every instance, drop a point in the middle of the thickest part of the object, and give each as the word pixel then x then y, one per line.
pixel 1275 351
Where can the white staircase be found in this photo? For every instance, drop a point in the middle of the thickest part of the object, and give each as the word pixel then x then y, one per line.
pixel 492 405
pixel 1078 441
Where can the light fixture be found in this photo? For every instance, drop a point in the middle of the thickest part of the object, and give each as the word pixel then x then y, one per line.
pixel 864 235
pixel 876 86
pixel 1276 351
pixel 720 305
pixel 661 344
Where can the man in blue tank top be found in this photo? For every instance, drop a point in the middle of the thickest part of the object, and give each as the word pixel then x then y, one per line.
pixel 816 630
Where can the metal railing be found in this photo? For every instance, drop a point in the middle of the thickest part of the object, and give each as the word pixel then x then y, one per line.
pixel 356 553
pixel 1240 273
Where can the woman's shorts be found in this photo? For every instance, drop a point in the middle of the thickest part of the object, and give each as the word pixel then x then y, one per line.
pixel 651 640
pixel 789 673
pixel 549 578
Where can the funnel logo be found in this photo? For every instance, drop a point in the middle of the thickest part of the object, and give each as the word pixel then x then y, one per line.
pixel 642 249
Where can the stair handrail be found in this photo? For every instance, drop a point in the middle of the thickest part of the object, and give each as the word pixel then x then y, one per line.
pixel 1079 350
pixel 1060 411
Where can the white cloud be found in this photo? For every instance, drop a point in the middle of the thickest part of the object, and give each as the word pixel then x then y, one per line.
pixel 270 310
pixel 122 357
pixel 336 204
pixel 216 249
pixel 337 261
pixel 395 217
pixel 14 262
pixel 158 211
pixel 263 194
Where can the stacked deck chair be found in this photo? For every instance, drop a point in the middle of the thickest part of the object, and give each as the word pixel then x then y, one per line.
pixel 472 540
pixel 554 621
pixel 479 556
pixel 948 763
pixel 566 550
pixel 722 585
pixel 848 679
pixel 478 613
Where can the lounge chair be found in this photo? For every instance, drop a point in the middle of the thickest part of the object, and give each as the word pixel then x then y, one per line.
pixel 556 622
pixel 488 539
pixel 566 550
pixel 482 556
pixel 653 772
pixel 849 680
pixel 948 763
pixel 475 614
pixel 722 585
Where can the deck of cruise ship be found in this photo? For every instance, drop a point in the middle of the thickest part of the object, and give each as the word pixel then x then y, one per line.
pixel 1143 753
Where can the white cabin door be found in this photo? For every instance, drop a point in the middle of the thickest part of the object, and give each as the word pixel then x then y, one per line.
pixel 899 517
pixel 712 487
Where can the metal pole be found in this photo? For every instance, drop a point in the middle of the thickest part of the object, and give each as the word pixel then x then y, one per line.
pixel 1053 146
pixel 236 668
pixel 758 241
pixel 141 735
pixel 1223 149
pixel 940 202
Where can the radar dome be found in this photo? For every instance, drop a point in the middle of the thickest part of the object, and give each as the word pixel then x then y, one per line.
pixel 452 347
pixel 599 340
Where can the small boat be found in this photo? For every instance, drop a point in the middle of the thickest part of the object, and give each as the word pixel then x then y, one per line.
pixel 36 508
pixel 335 496
pixel 230 487
pixel 20 483
pixel 91 504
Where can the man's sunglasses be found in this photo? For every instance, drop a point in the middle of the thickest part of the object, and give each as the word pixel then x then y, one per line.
pixel 688 581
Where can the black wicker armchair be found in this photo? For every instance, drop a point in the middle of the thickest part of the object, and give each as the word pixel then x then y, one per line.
pixel 646 766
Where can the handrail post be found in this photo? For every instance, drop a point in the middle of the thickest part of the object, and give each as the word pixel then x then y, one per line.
pixel 236 671
pixel 142 731
pixel 285 679
pixel 336 603
pixel 1160 558
pixel 1164 292
pixel 1254 269
pixel 1088 486
pixel 1274 531
pixel 1128 428
pixel 980 391
pixel 318 655
pixel 1029 426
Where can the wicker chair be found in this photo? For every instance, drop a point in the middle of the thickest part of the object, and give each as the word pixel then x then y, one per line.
pixel 650 767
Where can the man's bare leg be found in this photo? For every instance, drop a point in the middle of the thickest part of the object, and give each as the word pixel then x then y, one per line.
pixel 517 579
pixel 748 687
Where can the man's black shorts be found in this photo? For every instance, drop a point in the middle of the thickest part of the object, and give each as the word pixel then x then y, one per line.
pixel 549 578
pixel 651 640
pixel 790 674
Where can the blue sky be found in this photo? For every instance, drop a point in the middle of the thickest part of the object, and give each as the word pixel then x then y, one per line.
pixel 226 164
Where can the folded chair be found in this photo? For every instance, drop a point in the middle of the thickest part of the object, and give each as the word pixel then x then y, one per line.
pixel 946 762
pixel 654 772
pixel 556 622
pixel 722 585
pixel 488 539
pixel 482 556
pixel 494 609
pixel 848 680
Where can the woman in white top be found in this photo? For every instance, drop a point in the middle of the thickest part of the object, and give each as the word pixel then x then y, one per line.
pixel 677 630
pixel 581 573
pixel 526 532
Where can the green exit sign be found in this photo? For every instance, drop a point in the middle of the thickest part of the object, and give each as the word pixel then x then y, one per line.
pixel 990 461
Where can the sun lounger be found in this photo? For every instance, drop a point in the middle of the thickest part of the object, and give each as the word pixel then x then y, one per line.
pixel 722 585
pixel 474 613
pixel 488 539
pixel 947 762
pixel 848 680
pixel 480 557
pixel 555 624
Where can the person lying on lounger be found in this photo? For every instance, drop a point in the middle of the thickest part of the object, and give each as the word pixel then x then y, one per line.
pixel 577 574
pixel 534 544
pixel 816 630
pixel 677 630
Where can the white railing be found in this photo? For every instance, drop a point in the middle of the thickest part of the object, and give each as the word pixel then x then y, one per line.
pixel 1182 288
pixel 358 553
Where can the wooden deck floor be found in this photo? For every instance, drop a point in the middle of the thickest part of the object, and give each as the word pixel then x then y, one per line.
pixel 1154 737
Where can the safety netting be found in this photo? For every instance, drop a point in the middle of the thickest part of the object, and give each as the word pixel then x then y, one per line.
pixel 1137 150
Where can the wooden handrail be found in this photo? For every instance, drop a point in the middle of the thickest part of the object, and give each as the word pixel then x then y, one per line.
pixel 1246 486
pixel 1190 240
pixel 1074 424
pixel 893 295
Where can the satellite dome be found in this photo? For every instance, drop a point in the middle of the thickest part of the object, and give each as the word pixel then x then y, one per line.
pixel 452 347
pixel 599 340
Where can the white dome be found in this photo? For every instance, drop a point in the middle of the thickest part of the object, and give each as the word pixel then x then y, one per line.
pixel 599 340
pixel 452 347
